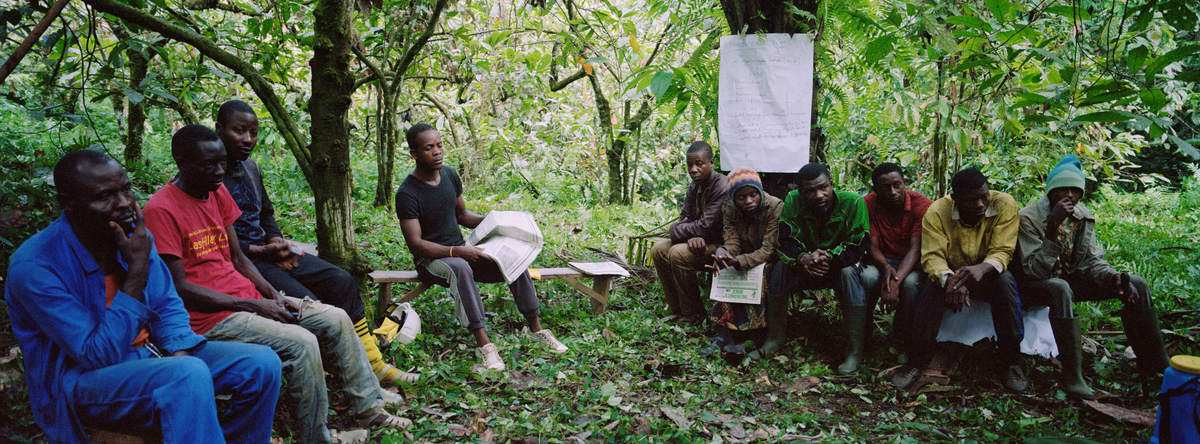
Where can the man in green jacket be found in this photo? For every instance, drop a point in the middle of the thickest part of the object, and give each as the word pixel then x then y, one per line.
pixel 967 240
pixel 1060 263
pixel 822 235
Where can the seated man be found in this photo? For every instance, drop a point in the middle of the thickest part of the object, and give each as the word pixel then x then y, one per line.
pixel 751 220
pixel 890 269
pixel 1060 263
pixel 430 207
pixel 822 235
pixel 262 241
pixel 91 304
pixel 967 241
pixel 694 237
pixel 228 299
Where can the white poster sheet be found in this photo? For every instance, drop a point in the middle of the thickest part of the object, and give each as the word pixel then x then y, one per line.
pixel 739 287
pixel 764 106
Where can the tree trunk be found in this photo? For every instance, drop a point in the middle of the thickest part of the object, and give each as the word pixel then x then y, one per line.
pixel 136 116
pixel 385 149
pixel 332 85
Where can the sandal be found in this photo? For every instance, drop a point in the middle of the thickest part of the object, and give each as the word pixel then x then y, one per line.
pixel 385 419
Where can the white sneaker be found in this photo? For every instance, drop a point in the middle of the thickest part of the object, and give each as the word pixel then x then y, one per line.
pixel 491 359
pixel 546 338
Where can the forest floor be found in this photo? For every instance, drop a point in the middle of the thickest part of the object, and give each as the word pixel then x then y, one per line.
pixel 629 377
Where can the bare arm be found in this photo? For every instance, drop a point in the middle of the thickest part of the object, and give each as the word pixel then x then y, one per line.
pixel 430 250
pixel 465 217
pixel 911 259
pixel 876 255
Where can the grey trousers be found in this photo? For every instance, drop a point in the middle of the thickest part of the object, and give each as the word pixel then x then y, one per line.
pixel 460 276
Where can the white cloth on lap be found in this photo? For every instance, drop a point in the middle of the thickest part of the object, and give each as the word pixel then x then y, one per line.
pixel 974 323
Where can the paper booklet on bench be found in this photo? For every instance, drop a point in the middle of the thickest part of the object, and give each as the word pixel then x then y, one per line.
pixel 512 239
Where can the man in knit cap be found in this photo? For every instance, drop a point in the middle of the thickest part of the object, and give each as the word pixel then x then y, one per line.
pixel 694 237
pixel 751 220
pixel 1061 263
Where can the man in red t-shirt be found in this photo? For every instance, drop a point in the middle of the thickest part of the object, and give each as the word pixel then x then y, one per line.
pixel 890 269
pixel 228 300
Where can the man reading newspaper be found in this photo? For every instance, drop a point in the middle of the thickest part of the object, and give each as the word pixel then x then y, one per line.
pixel 430 207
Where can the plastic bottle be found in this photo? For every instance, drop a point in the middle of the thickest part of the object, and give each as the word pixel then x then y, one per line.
pixel 1177 415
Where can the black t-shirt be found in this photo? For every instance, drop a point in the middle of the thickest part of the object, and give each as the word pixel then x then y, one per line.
pixel 432 206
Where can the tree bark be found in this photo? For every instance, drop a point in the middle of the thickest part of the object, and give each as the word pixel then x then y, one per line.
pixel 328 106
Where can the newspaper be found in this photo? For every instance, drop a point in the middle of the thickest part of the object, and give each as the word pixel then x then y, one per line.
pixel 511 239
pixel 740 287
pixel 606 268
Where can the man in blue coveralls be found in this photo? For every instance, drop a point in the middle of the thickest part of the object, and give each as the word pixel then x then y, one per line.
pixel 105 337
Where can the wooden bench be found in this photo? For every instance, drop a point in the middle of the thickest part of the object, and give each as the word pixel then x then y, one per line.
pixel 601 285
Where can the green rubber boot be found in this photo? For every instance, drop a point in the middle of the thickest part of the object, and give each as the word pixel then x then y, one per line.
pixel 1066 334
pixel 777 323
pixel 855 319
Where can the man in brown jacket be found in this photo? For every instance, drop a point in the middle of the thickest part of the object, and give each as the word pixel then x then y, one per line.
pixel 694 237
pixel 1060 263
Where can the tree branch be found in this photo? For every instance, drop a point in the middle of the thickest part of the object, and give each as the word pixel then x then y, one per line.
pixel 567 81
pixel 283 121
pixel 411 53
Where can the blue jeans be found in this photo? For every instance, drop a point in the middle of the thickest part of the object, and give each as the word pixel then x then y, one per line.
pixel 906 308
pixel 784 281
pixel 176 395
pixel 323 333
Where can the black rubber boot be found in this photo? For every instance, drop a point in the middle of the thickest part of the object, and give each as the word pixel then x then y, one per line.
pixel 856 330
pixel 1141 326
pixel 777 323
pixel 1066 334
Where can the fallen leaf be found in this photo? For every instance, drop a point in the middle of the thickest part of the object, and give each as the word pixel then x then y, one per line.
pixel 796 437
pixel 585 419
pixel 13 218
pixel 643 426
pixel 520 381
pixel 677 415
pixel 479 424
pixel 1122 413
pixel 607 334
pixel 763 380
pixel 612 425
pixel 737 431
pixel 12 354
pixel 437 413
pixel 803 384
pixel 488 436
pixel 458 430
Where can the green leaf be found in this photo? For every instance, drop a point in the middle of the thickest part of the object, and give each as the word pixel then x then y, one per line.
pixel 1155 131
pixel 1179 15
pixel 1184 146
pixel 1136 58
pixel 1188 76
pixel 1039 118
pixel 166 95
pixel 968 21
pixel 1175 55
pixel 1058 440
pixel 999 9
pixel 1105 117
pixel 1106 97
pixel 1071 12
pixel 660 83
pixel 879 48
pixel 1153 99
pixel 133 96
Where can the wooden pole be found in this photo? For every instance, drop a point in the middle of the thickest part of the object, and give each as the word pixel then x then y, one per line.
pixel 15 58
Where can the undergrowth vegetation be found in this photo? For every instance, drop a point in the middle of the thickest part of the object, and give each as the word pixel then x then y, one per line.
pixel 631 378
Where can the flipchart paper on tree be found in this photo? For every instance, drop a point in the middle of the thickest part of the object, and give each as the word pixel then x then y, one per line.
pixel 765 104
pixel 741 287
